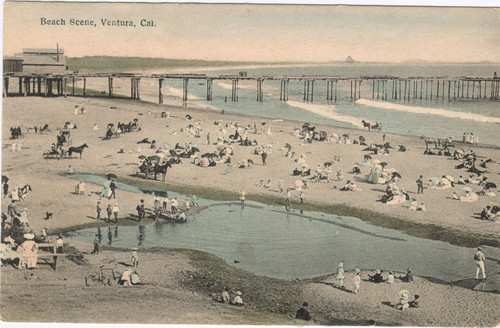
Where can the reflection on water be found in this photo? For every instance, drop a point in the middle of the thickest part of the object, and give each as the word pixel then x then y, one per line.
pixel 269 241
pixel 141 235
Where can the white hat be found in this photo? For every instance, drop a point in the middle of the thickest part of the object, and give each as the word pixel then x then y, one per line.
pixel 29 236
pixel 238 293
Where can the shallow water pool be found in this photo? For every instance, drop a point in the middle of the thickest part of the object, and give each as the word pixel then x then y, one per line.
pixel 268 241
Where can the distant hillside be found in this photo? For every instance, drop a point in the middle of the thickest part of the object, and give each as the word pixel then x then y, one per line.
pixel 120 64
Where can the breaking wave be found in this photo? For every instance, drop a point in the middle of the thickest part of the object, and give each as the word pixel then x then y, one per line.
pixel 431 111
pixel 326 111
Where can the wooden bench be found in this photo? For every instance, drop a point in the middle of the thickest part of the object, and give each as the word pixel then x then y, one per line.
pixel 51 254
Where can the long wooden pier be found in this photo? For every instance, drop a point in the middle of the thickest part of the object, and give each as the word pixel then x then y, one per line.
pixel 381 87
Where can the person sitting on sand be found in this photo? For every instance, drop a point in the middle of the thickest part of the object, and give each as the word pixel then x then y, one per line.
pixel 225 295
pixel 486 213
pixel 460 180
pixel 125 278
pixel 413 204
pixel 376 278
pixel 237 299
pixel 303 313
pixel 390 278
pixel 182 217
pixel 408 277
pixel 421 207
pixel 455 196
pixel 403 300
pixel 469 197
pixel 414 303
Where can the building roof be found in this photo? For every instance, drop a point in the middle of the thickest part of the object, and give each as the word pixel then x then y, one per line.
pixel 13 58
pixel 42 51
pixel 41 60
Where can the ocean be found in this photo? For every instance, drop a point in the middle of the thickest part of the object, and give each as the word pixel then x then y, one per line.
pixel 437 117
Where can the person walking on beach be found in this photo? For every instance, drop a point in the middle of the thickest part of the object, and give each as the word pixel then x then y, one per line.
pixel 208 138
pixel 302 197
pixel 109 211
pixel 98 211
pixel 479 258
pixel 112 187
pixel 420 185
pixel 264 157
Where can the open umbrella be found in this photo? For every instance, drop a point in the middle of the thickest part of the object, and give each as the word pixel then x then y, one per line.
pixel 383 164
pixel 299 184
pixel 288 146
pixel 396 174
pixel 111 176
pixel 367 157
pixel 490 185
pixel 345 135
pixel 154 158
pixel 166 146
pixel 467 189
pixel 142 157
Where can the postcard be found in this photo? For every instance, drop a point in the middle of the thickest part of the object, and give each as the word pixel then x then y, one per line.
pixel 250 164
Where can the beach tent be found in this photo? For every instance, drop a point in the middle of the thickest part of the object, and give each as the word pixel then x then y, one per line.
pixel 434 181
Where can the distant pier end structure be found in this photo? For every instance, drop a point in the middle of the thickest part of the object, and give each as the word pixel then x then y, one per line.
pixel 37 71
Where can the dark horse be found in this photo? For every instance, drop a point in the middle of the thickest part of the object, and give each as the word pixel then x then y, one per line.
pixel 161 169
pixel 78 150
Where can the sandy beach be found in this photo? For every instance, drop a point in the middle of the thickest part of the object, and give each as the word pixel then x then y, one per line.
pixel 168 274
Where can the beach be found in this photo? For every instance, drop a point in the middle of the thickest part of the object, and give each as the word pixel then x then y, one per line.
pixel 53 191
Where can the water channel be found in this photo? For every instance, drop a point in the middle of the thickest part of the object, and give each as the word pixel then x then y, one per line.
pixel 268 241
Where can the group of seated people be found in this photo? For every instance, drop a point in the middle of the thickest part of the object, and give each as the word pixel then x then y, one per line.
pixel 394 194
pixel 379 278
pixel 21 251
pixel 226 297
pixel 491 213
pixel 350 186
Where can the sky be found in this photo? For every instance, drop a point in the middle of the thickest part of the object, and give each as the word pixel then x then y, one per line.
pixel 261 33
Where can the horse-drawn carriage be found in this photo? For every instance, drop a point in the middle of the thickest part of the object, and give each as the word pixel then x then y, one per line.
pixel 152 166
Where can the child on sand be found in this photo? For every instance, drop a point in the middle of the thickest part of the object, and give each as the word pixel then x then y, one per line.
pixel 340 275
pixel 356 281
